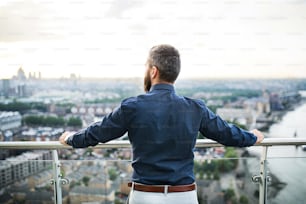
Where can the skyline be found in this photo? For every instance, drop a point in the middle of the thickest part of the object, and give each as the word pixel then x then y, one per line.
pixel 111 39
pixel 37 75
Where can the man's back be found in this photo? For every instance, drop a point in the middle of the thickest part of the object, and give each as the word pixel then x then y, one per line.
pixel 162 128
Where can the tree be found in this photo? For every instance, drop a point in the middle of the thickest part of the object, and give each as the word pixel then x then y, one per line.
pixel 243 200
pixel 44 120
pixel 85 180
pixel 54 121
pixel 23 107
pixel 33 120
pixel 229 195
pixel 112 173
pixel 74 122
pixel 216 174
pixel 14 106
pixel 230 161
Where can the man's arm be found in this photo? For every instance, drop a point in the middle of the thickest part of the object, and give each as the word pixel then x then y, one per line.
pixel 111 127
pixel 215 128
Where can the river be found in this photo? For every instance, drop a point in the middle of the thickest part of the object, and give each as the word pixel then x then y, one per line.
pixel 288 163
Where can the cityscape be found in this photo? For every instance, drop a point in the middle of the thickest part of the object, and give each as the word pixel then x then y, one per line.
pixel 66 64
pixel 33 108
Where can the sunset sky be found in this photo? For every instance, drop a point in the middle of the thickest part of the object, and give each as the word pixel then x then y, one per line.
pixel 111 38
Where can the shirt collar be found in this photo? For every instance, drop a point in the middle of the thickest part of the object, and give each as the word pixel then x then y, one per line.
pixel 169 87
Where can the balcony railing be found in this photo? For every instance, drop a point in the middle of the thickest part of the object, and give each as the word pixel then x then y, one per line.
pixel 261 176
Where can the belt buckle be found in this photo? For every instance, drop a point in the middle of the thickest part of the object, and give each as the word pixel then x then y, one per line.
pixel 166 189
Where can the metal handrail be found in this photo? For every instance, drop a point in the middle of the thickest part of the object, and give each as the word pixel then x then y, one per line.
pixel 261 179
pixel 126 144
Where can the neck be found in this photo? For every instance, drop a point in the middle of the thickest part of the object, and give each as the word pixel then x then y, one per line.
pixel 157 81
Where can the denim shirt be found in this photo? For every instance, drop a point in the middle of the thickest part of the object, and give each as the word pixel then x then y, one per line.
pixel 162 128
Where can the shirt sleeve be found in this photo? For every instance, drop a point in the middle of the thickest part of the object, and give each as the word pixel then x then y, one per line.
pixel 215 128
pixel 111 127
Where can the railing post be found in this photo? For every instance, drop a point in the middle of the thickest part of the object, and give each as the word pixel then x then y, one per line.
pixel 57 178
pixel 263 175
pixel 263 178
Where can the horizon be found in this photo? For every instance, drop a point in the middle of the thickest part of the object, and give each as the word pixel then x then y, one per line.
pixel 81 78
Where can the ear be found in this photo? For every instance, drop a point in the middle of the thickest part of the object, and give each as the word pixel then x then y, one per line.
pixel 154 72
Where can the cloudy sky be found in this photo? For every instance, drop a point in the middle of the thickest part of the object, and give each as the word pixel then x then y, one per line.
pixel 111 38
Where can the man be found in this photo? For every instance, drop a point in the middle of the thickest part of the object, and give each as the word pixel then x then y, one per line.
pixel 162 128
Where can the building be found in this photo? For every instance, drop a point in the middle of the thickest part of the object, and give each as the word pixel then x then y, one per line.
pixel 242 116
pixel 6 87
pixel 98 109
pixel 260 104
pixel 4 153
pixel 40 179
pixel 82 194
pixel 40 134
pixel 275 102
pixel 21 74
pixel 21 193
pixel 5 173
pixel 9 120
pixel 17 168
pixel 22 91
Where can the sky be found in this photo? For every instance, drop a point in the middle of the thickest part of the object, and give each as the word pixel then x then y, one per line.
pixel 111 38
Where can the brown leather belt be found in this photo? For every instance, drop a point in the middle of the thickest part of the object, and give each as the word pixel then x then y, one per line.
pixel 162 188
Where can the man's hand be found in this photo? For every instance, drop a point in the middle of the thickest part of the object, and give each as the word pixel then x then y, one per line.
pixel 63 138
pixel 259 135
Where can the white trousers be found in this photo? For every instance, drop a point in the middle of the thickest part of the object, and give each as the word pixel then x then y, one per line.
pixel 139 197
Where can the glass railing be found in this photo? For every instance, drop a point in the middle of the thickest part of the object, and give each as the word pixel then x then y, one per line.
pixel 271 172
pixel 286 166
pixel 24 180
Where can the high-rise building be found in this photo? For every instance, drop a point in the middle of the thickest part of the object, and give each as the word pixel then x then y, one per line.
pixel 22 90
pixel 6 87
pixel 21 75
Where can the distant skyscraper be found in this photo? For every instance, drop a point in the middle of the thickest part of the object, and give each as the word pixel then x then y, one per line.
pixel 21 75
pixel 6 87
pixel 21 90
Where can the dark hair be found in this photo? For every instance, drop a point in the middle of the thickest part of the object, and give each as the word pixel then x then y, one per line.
pixel 166 59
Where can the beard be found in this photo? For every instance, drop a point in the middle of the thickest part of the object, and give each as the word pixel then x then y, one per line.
pixel 147 82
